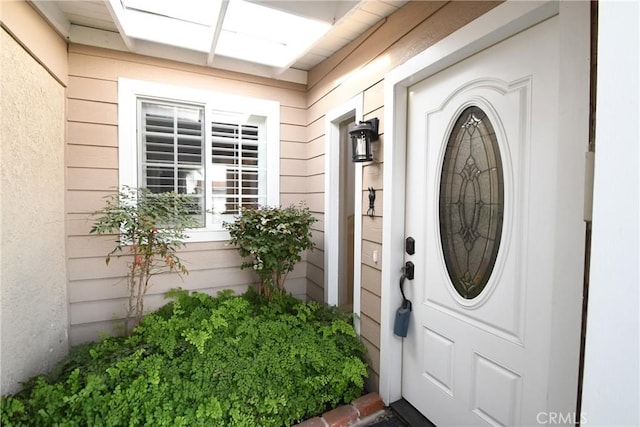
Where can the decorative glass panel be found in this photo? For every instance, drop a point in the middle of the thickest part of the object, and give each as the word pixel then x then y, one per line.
pixel 471 202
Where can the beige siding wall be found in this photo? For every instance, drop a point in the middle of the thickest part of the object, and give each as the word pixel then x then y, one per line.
pixel 33 278
pixel 97 292
pixel 360 68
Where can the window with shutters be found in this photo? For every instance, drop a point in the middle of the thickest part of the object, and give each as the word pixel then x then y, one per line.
pixel 221 150
pixel 172 146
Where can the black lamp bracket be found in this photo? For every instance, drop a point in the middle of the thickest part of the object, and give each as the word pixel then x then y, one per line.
pixel 374 123
pixel 372 199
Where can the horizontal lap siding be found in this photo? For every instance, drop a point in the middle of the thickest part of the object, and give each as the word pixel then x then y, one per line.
pixel 314 166
pixel 97 292
pixel 358 68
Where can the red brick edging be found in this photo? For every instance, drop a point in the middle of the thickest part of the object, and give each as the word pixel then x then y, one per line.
pixel 347 415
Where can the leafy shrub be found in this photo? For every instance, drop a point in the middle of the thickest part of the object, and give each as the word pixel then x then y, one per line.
pixel 203 361
pixel 271 240
pixel 151 228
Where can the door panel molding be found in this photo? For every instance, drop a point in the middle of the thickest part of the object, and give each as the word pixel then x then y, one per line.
pixel 487 94
pixel 491 378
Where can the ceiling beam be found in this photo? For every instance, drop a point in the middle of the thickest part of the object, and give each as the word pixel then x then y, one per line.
pixel 52 13
pixel 218 30
pixel 116 11
pixel 93 37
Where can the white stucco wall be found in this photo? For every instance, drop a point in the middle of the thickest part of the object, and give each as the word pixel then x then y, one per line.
pixel 33 291
pixel 612 360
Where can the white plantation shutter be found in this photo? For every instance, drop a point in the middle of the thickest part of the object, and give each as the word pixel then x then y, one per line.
pixel 237 158
pixel 222 150
pixel 172 150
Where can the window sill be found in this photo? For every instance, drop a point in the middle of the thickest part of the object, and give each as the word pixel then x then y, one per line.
pixel 204 235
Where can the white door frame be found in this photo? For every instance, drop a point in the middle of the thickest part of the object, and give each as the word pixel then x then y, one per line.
pixel 498 24
pixel 332 193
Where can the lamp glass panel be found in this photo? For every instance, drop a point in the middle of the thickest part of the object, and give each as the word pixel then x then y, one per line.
pixel 361 145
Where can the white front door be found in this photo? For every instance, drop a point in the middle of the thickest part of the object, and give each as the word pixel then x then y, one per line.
pixel 482 137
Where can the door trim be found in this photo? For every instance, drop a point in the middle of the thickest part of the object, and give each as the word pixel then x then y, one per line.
pixel 332 192
pixel 496 25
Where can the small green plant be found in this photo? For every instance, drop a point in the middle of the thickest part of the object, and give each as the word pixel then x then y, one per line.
pixel 151 228
pixel 271 240
pixel 204 361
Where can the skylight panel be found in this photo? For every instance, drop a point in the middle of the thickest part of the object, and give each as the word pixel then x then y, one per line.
pixel 188 24
pixel 259 34
pixel 250 31
pixel 193 11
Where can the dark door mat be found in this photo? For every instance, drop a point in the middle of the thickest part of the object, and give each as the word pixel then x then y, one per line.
pixel 387 419
pixel 409 415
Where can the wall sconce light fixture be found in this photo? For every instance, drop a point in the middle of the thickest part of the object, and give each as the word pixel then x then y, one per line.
pixel 362 135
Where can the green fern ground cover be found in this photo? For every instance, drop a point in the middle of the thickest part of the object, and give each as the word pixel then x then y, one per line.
pixel 204 361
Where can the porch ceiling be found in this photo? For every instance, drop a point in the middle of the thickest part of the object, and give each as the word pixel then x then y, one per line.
pixel 98 23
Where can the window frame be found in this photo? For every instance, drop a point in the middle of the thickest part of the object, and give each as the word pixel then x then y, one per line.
pixel 214 103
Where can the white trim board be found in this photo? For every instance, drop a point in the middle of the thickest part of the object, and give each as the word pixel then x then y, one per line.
pixel 611 389
pixel 496 25
pixel 332 192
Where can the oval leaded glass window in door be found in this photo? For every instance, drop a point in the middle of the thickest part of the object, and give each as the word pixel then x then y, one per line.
pixel 471 202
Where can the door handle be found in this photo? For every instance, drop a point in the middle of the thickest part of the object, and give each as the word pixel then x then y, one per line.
pixel 408 274
pixel 409 270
